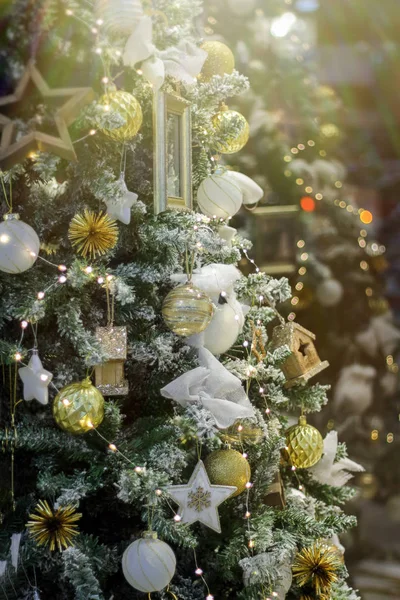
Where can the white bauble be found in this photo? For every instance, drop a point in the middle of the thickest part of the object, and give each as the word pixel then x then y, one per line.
pixel 241 7
pixel 225 326
pixel 219 196
pixel 329 292
pixel 119 16
pixel 252 192
pixel 302 169
pixel 19 245
pixel 148 564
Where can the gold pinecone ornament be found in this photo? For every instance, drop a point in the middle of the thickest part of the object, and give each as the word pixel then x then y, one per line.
pixel 54 528
pixel 317 567
pixel 187 310
pixel 78 407
pixel 224 122
pixel 128 108
pixel 304 444
pixel 220 60
pixel 228 467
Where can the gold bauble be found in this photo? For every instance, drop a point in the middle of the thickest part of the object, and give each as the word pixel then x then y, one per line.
pixel 78 407
pixel 239 433
pixel 220 60
pixel 223 123
pixel 187 310
pixel 228 467
pixel 304 444
pixel 128 108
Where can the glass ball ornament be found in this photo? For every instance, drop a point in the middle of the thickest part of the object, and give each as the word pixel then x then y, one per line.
pixel 79 407
pixel 148 564
pixel 220 60
pixel 228 467
pixel 128 108
pixel 219 195
pixel 187 310
pixel 19 245
pixel 304 444
pixel 329 292
pixel 232 129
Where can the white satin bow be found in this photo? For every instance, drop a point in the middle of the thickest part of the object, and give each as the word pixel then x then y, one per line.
pixel 214 387
pixel 183 62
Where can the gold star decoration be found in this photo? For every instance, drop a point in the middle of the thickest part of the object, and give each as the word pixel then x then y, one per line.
pixel 317 567
pixel 93 233
pixel 53 528
pixel 13 151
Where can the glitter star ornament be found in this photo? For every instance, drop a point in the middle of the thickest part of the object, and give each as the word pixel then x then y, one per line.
pixel 54 528
pixel 36 380
pixel 14 149
pixel 317 567
pixel 93 234
pixel 121 209
pixel 199 499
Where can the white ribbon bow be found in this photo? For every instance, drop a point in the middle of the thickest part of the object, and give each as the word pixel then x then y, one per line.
pixel 214 387
pixel 183 62
pixel 328 471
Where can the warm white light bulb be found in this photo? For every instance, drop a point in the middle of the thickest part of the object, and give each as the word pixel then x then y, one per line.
pixel 44 377
pixel 40 295
pixel 199 571
pixel 177 518
pixel 4 238
pixel 62 279
pixel 24 324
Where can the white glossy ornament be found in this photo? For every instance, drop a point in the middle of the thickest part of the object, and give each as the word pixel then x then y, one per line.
pixel 36 380
pixel 148 564
pixel 118 17
pixel 224 329
pixel 121 209
pixel 19 245
pixel 219 196
pixel 329 292
pixel 252 192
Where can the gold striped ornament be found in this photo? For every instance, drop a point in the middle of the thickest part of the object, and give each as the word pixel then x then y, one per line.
pixel 187 310
pixel 148 564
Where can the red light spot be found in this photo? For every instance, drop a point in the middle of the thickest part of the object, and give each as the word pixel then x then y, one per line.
pixel 307 204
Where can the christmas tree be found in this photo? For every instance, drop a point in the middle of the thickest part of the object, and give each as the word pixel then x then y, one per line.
pixel 185 482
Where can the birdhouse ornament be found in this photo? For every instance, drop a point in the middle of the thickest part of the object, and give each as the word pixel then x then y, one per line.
pixel 304 362
pixel 109 376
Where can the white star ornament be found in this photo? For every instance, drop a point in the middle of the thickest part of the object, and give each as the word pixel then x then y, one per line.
pixel 36 380
pixel 121 209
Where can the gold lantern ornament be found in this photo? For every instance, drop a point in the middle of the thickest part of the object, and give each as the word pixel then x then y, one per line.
pixel 226 121
pixel 304 444
pixel 220 60
pixel 187 310
pixel 125 105
pixel 228 467
pixel 304 362
pixel 78 407
pixel 109 376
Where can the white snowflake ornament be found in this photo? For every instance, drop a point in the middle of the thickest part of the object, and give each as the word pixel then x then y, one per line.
pixel 36 380
pixel 199 499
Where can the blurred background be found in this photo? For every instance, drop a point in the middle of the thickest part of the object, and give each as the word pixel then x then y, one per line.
pixel 324 116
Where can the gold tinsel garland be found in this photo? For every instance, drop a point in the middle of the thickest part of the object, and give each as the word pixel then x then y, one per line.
pixel 53 528
pixel 93 233
pixel 317 567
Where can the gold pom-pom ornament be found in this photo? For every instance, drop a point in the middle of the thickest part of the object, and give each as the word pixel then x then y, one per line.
pixel 79 407
pixel 219 195
pixel 220 60
pixel 226 121
pixel 304 444
pixel 93 233
pixel 316 567
pixel 128 108
pixel 187 310
pixel 54 528
pixel 228 467
pixel 148 564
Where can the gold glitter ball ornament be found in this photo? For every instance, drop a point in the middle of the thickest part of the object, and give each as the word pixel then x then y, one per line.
pixel 79 407
pixel 187 310
pixel 232 129
pixel 220 60
pixel 228 467
pixel 317 567
pixel 125 105
pixel 304 444
pixel 54 528
pixel 92 233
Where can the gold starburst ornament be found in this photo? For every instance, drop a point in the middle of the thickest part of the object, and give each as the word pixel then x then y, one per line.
pixel 317 567
pixel 54 528
pixel 93 234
